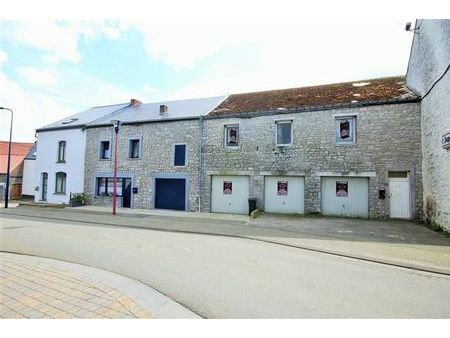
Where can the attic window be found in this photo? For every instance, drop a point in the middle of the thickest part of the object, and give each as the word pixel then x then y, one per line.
pixel 70 121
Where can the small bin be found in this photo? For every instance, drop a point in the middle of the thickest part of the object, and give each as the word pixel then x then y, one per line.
pixel 251 205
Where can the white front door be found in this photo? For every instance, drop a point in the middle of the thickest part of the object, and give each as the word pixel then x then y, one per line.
pixel 229 194
pixel 399 197
pixel 284 194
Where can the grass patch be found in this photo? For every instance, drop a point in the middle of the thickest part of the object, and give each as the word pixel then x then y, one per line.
pixel 437 228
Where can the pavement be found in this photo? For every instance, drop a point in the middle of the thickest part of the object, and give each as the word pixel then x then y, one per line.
pixel 222 275
pixel 40 288
pixel 393 242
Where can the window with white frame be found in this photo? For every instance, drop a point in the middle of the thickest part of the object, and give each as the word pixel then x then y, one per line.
pixel 105 151
pixel 231 135
pixel 283 135
pixel 345 129
pixel 135 148
pixel 60 187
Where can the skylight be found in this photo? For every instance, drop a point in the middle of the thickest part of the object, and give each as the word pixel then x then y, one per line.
pixel 70 121
pixel 360 84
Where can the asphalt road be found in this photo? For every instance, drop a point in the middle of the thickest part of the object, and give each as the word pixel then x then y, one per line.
pixel 223 277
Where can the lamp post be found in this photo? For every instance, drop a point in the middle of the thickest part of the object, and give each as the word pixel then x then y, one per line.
pixel 9 157
pixel 116 124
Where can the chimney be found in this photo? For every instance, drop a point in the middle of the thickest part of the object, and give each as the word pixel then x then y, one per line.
pixel 162 109
pixel 134 102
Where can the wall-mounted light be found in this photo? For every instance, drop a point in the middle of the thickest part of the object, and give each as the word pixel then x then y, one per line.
pixel 409 29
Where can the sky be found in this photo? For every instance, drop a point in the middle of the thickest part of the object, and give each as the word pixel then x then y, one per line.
pixel 50 69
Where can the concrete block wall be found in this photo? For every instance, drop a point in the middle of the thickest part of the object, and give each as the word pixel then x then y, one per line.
pixel 387 139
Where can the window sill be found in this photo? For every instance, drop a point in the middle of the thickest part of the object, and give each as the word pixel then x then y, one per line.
pixel 284 145
pixel 232 147
pixel 60 161
pixel 104 159
pixel 59 193
pixel 180 166
pixel 133 158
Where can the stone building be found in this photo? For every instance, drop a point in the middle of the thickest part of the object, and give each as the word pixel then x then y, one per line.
pixel 158 155
pixel 349 149
pixel 428 75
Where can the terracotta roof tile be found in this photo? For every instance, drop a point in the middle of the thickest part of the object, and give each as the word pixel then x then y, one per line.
pixel 18 152
pixel 383 89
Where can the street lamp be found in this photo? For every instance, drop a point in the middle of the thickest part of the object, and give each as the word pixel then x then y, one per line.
pixel 9 157
pixel 116 124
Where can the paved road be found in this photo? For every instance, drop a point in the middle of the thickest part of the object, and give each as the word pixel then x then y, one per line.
pixel 219 277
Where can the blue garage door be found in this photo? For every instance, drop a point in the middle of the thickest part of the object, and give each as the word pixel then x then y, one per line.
pixel 170 193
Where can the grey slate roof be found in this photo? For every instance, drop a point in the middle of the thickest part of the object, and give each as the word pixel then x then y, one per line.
pixel 83 118
pixel 179 109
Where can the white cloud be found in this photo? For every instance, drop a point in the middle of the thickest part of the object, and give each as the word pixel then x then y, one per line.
pixel 291 54
pixel 39 77
pixel 183 44
pixel 150 90
pixel 59 40
pixel 41 105
pixel 30 110
pixel 3 58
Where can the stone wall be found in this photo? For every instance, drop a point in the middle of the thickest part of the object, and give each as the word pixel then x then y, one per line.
pixel 157 154
pixel 387 139
pixel 430 57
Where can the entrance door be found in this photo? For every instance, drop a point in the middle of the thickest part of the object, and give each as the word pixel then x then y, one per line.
pixel 44 186
pixel 399 195
pixel 170 193
pixel 126 193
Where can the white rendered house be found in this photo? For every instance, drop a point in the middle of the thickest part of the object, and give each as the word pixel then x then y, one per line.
pixel 59 168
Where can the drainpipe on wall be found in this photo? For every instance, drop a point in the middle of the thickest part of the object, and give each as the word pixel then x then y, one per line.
pixel 200 164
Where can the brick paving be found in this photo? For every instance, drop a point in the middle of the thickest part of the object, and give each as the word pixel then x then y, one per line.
pixel 32 287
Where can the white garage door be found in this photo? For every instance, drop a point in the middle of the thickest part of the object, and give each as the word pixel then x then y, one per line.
pixel 229 194
pixel 345 196
pixel 284 194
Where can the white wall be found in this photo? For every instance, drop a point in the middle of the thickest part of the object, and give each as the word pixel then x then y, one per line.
pixel 430 57
pixel 46 161
pixel 28 180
